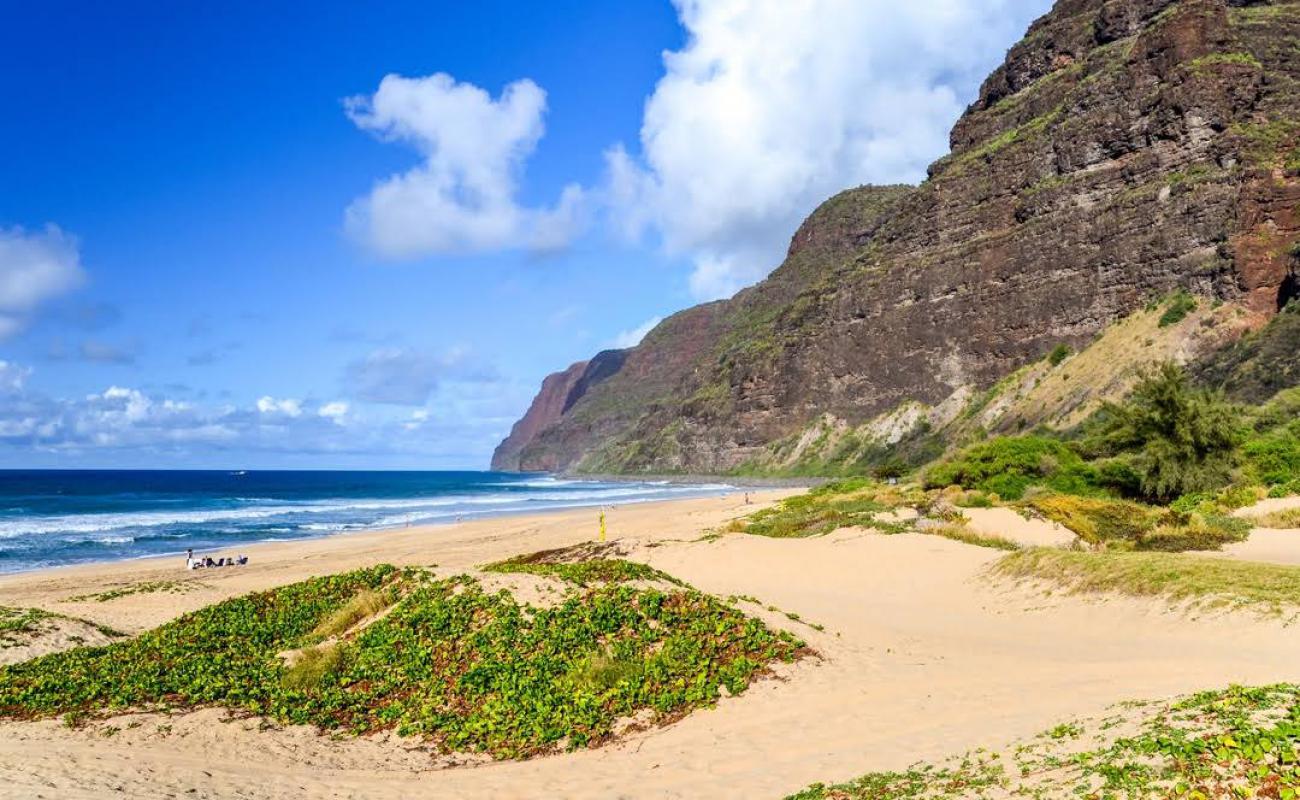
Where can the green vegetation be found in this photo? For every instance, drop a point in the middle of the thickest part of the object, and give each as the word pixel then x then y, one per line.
pixel 365 603
pixel 1200 580
pixel 1125 525
pixel 1261 364
pixel 1178 440
pixel 583 565
pixel 146 587
pixel 852 503
pixel 1283 520
pixel 1009 465
pixel 1059 354
pixel 1204 63
pixel 1177 309
pixel 467 670
pixel 1238 742
pixel 960 533
pixel 19 625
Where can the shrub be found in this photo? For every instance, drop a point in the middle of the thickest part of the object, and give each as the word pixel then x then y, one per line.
pixel 1199 532
pixel 1273 458
pixel 1059 354
pixel 1183 440
pixel 1179 306
pixel 1008 465
pixel 1125 525
pixel 1098 521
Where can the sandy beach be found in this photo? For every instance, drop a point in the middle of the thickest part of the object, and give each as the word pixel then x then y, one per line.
pixel 921 657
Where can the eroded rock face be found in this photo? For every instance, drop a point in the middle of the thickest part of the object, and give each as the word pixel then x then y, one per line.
pixel 1125 149
pixel 546 409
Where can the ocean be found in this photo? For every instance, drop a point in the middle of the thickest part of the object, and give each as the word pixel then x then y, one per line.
pixel 55 517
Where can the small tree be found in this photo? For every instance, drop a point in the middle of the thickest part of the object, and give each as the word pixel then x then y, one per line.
pixel 1184 439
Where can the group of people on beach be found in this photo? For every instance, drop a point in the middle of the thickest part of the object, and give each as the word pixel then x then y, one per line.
pixel 207 561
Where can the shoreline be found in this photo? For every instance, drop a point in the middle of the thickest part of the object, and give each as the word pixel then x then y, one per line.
pixel 708 488
pixel 279 562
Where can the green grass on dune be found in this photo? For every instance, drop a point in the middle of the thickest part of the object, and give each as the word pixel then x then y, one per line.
pixel 1202 580
pixel 464 669
pixel 1234 743
pixel 583 572
pixel 831 506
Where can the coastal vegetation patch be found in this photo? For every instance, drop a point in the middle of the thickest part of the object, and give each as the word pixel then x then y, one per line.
pixel 582 565
pixel 446 661
pixel 1236 742
pixel 144 587
pixel 19 626
pixel 1283 520
pixel 1202 581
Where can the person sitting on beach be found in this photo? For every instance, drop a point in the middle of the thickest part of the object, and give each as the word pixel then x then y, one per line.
pixel 208 562
pixel 190 561
pixel 242 560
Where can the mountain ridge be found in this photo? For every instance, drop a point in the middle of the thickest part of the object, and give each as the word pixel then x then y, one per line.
pixel 1124 150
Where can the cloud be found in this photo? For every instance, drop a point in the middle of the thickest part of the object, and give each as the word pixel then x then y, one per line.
pixel 463 196
pixel 34 268
pixel 771 107
pixel 335 411
pixel 633 337
pixel 287 407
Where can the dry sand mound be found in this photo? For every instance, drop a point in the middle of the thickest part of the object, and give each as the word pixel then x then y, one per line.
pixel 1006 523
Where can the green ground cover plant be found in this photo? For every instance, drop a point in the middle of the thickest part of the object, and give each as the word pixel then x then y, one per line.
pixel 1238 742
pixel 826 508
pixel 459 667
pixel 588 569
pixel 20 625
pixel 1200 580
pixel 145 587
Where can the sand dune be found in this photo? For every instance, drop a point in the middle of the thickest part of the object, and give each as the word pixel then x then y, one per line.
pixel 921 657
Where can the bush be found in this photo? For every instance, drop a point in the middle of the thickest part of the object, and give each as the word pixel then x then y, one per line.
pixel 1125 525
pixel 1199 532
pixel 1098 521
pixel 1183 440
pixel 1180 305
pixel 1273 458
pixel 1059 354
pixel 1007 465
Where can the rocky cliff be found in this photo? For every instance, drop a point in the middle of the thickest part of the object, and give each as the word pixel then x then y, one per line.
pixel 1126 149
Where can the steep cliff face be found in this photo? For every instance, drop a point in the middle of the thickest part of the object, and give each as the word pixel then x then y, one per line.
pixel 1125 149
pixel 546 409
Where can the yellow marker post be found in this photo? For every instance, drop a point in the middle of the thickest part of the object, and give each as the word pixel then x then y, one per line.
pixel 602 524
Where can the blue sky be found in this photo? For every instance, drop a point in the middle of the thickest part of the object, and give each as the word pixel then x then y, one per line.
pixel 227 240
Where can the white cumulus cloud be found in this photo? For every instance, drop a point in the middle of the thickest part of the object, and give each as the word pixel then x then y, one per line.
pixel 336 411
pixel 633 337
pixel 773 106
pixel 287 407
pixel 34 267
pixel 463 196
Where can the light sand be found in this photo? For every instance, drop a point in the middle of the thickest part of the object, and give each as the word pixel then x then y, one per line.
pixel 922 658
pixel 1024 531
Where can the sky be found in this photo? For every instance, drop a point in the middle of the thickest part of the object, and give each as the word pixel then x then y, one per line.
pixel 335 235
